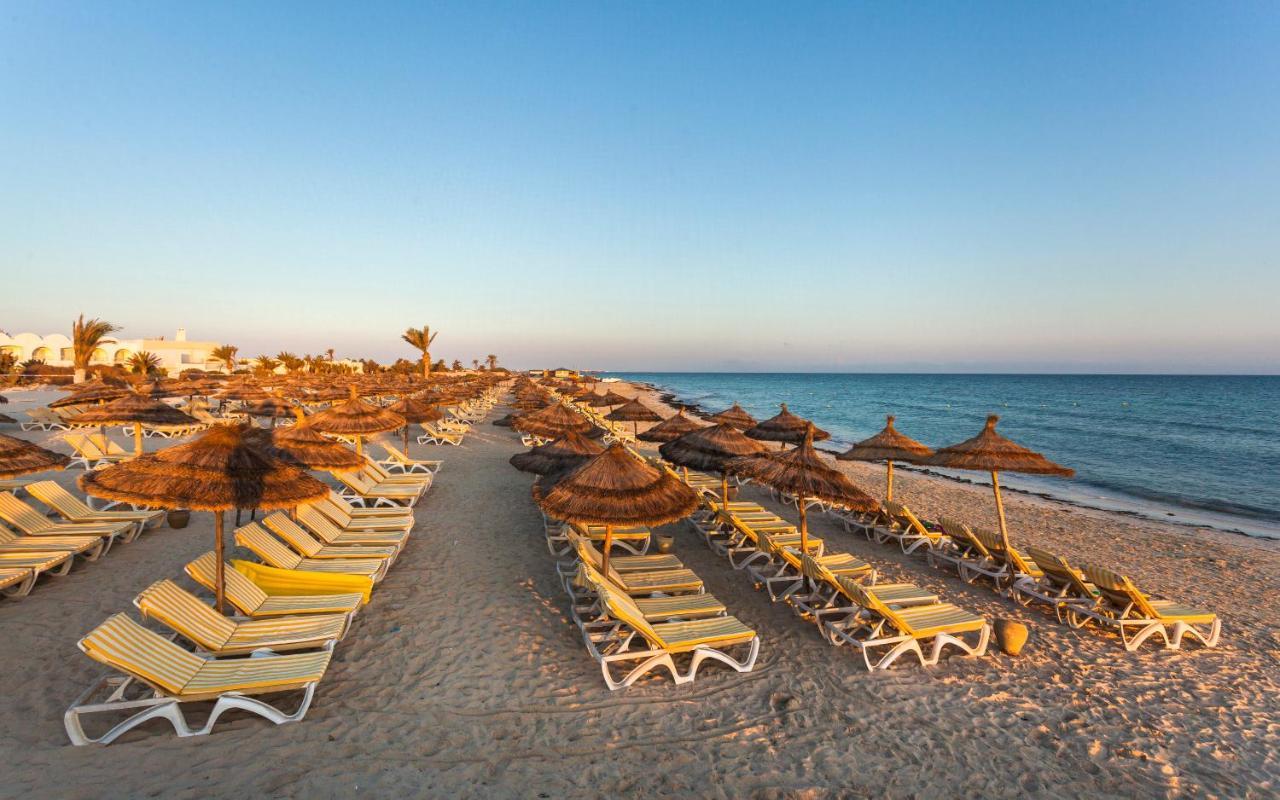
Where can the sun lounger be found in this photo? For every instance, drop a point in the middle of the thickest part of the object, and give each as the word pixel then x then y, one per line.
pixel 965 553
pixel 1126 608
pixel 218 635
pixel 433 435
pixel 1059 586
pixel 379 475
pixel 826 594
pixel 370 512
pixel 252 601
pixel 1014 567
pixel 362 491
pixel 45 420
pixel 782 573
pixel 600 630
pixel 699 639
pixel 173 676
pixel 73 509
pixel 90 547
pixel 309 546
pixel 16 581
pixel 27 520
pixel 324 530
pixel 906 529
pixel 398 461
pixel 637 582
pixel 877 625
pixel 349 523
pixel 40 562
pixel 274 553
pixel 87 454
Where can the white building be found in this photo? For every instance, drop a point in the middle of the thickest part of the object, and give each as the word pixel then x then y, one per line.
pixel 175 354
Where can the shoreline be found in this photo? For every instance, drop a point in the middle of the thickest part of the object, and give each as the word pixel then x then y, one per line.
pixel 1126 505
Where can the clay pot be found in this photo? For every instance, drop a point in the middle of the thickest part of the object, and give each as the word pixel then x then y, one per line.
pixel 666 543
pixel 1010 636
pixel 178 519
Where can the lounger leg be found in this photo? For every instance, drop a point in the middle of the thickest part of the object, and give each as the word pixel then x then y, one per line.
pixel 21 589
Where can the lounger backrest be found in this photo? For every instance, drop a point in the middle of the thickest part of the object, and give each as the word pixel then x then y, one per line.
pixel 394 452
pixel 78 443
pixel 589 555
pixel 22 516
pixel 624 608
pixel 320 526
pixel 179 609
pixel 254 537
pixel 53 495
pixel 1119 590
pixel 915 524
pixel 123 644
pixel 1060 571
pixel 340 502
pixel 293 533
pixel 241 591
pixel 340 516
pixel 814 570
pixel 868 600
pixel 354 480
pixel 105 445
pixel 961 534
pixel 7 536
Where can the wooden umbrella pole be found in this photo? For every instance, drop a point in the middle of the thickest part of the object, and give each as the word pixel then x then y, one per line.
pixel 359 448
pixel 1004 529
pixel 406 438
pixel 608 544
pixel 724 491
pixel 888 495
pixel 217 555
pixel 804 524
pixel 137 439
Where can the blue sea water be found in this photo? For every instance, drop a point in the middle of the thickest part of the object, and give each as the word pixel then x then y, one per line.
pixel 1202 450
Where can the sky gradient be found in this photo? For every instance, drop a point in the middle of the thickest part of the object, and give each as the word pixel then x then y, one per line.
pixel 812 186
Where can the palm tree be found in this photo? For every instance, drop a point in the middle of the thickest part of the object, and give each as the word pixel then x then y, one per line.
pixel 144 363
pixel 421 338
pixel 492 361
pixel 227 355
pixel 329 353
pixel 85 338
pixel 291 361
pixel 265 364
pixel 475 364
pixel 457 365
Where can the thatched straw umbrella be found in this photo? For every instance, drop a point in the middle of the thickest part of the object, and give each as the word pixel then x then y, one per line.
pixel 356 418
pixel 224 468
pixel 785 428
pixel 672 427
pixel 136 410
pixel 802 472
pixel 95 391
pixel 567 452
pixel 991 452
pixel 20 457
pixel 415 410
pixel 735 416
pixel 888 446
pixel 635 412
pixel 615 488
pixel 304 446
pixel 273 407
pixel 710 450
pixel 552 422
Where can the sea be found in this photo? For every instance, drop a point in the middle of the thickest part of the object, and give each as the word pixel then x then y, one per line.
pixel 1187 449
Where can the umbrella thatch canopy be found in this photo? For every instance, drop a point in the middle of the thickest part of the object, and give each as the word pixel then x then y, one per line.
pixel 415 410
pixel 356 418
pixel 710 450
pixel 5 418
pixel 3 399
pixel 785 428
pixel 552 422
pixel 672 427
pixel 95 391
pixel 569 451
pixel 273 407
pixel 802 472
pixel 505 422
pixel 222 469
pixel 635 412
pixel 733 415
pixel 888 446
pixel 304 446
pixel 20 457
pixel 616 488
pixel 136 410
pixel 244 393
pixel 991 452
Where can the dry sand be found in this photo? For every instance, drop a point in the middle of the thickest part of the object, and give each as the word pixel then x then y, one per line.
pixel 466 677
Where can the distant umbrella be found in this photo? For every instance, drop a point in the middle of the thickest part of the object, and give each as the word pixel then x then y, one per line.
pixel 136 410
pixel 222 469
pixel 357 418
pixel 303 446
pixel 711 449
pixel 785 428
pixel 615 488
pixel 635 412
pixel 672 427
pixel 567 452
pixel 20 457
pixel 802 472
pixel 888 446
pixel 734 416
pixel 273 407
pixel 991 452
pixel 552 422
pixel 95 391
pixel 415 411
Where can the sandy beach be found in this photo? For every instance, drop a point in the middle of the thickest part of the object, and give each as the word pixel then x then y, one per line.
pixel 466 677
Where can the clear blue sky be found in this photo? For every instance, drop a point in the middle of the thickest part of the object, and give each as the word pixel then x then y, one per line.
pixel 831 186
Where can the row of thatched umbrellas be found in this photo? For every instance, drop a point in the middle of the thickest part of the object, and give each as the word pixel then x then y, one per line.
pixel 231 466
pixel 731 446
